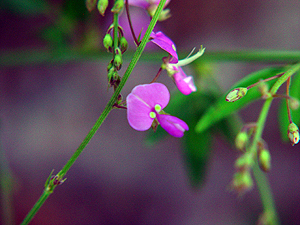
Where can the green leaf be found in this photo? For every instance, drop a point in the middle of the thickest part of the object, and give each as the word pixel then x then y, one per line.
pixel 222 109
pixel 283 116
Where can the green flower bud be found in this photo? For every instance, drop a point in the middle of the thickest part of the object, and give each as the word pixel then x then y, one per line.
pixel 108 42
pixel 264 160
pixel 118 6
pixel 236 94
pixel 294 103
pixel 118 61
pixel 293 133
pixel 264 90
pixel 90 5
pixel 241 140
pixel 102 5
pixel 123 44
pixel 244 162
pixel 242 182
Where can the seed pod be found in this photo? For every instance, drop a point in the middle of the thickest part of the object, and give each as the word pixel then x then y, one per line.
pixel 123 44
pixel 293 133
pixel 102 5
pixel 108 42
pixel 264 160
pixel 236 94
pixel 241 140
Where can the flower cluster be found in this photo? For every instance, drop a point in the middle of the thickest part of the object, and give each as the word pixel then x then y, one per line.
pixel 145 102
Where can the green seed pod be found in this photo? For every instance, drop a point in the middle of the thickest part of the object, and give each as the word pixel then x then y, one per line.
pixel 264 160
pixel 293 133
pixel 102 5
pixel 108 42
pixel 118 6
pixel 241 140
pixel 123 44
pixel 236 94
pixel 118 61
pixel 90 4
pixel 242 182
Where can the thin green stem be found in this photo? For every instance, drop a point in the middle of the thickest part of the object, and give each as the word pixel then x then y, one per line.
pixel 116 31
pixel 269 205
pixel 49 189
pixel 63 55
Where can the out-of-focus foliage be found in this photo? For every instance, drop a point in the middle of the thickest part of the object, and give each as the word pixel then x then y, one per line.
pixel 222 108
pixel 25 7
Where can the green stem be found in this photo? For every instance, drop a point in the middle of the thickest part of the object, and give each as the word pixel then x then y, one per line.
pixel 48 190
pixel 269 205
pixel 63 55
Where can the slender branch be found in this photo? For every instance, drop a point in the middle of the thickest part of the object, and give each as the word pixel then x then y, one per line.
pixel 157 75
pixel 130 24
pixel 49 189
pixel 287 100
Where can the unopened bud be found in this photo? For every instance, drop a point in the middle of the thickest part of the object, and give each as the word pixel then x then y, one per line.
pixel 264 160
pixel 241 140
pixel 108 42
pixel 293 133
pixel 118 61
pixel 264 90
pixel 90 4
pixel 123 44
pixel 242 182
pixel 236 94
pixel 244 162
pixel 118 6
pixel 294 103
pixel 102 5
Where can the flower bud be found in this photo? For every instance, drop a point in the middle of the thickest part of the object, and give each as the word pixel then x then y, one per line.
pixel 293 133
pixel 244 162
pixel 242 182
pixel 264 90
pixel 118 61
pixel 123 44
pixel 90 4
pixel 294 103
pixel 108 42
pixel 102 5
pixel 241 140
pixel 236 94
pixel 118 6
pixel 264 160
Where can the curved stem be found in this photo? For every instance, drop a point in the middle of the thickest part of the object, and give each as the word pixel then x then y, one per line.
pixel 49 189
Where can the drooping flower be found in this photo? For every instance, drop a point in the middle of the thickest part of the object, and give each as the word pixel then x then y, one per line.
pixel 145 104
pixel 151 6
pixel 184 83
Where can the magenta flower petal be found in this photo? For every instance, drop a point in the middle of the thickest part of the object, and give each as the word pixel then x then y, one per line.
pixel 184 83
pixel 142 100
pixel 139 3
pixel 172 125
pixel 166 44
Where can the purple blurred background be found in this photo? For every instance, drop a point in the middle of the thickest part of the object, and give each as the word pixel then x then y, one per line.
pixel 47 109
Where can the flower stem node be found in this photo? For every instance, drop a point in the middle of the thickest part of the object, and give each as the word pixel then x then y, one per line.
pixel 241 140
pixel 236 94
pixel 118 6
pixel 264 90
pixel 102 5
pixel 264 160
pixel 108 42
pixel 118 60
pixel 293 133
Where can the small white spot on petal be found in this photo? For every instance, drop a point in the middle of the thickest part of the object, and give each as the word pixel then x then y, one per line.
pixel 173 46
pixel 152 115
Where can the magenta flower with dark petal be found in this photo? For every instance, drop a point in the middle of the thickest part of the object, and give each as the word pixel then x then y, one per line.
pixel 184 83
pixel 145 104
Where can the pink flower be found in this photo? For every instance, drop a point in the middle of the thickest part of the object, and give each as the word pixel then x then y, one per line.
pixel 145 104
pixel 184 83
